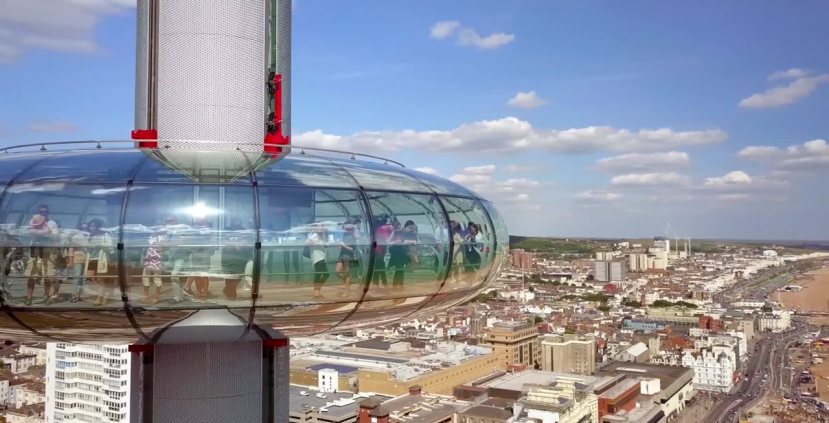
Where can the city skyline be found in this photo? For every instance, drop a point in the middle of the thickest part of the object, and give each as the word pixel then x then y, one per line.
pixel 584 119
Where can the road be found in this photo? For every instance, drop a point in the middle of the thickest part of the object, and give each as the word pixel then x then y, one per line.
pixel 770 348
pixel 772 351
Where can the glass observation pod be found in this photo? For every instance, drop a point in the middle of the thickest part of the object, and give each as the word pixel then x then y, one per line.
pixel 109 245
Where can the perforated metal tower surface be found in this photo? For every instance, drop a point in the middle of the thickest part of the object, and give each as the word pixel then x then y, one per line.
pixel 211 73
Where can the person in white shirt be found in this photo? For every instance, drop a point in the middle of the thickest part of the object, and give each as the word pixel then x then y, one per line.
pixel 316 245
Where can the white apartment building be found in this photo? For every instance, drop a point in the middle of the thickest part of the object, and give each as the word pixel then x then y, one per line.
pixel 28 394
pixel 87 383
pixel 776 321
pixel 37 350
pixel 714 368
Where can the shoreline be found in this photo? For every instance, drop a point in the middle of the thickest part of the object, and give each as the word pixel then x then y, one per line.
pixel 814 295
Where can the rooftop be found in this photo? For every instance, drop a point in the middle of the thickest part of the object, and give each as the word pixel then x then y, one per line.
pixel 517 381
pixel 333 404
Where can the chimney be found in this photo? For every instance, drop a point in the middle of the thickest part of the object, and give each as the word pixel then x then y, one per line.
pixel 415 390
pixel 370 410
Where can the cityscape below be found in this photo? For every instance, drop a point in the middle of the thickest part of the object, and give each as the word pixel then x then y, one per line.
pixel 573 330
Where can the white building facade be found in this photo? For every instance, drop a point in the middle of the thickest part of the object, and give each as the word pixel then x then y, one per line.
pixel 714 368
pixel 87 383
pixel 776 321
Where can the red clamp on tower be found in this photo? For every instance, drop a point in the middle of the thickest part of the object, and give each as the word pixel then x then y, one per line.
pixel 147 138
pixel 274 137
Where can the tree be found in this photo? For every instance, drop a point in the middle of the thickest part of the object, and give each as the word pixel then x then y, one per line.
pixel 604 308
pixel 537 320
pixel 662 303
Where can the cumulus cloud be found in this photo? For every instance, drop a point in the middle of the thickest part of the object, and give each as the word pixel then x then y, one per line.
pixel 526 100
pixel 735 178
pixel 811 155
pixel 52 127
pixel 469 37
pixel 428 170
pixel 444 29
pixel 511 134
pixel 511 192
pixel 739 185
pixel 654 179
pixel 644 162
pixel 600 196
pixel 60 25
pixel 801 86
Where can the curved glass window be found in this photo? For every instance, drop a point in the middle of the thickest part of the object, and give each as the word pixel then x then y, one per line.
pixel 380 176
pixel 63 235
pixel 440 185
pixel 473 242
pixel 182 166
pixel 14 164
pixel 84 166
pixel 412 241
pixel 200 238
pixel 304 171
pixel 88 251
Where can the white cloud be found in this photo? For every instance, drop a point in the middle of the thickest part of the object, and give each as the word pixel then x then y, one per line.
pixel 787 74
pixel 526 100
pixel 468 36
pixel 801 86
pixel 428 170
pixel 598 196
pixel 61 25
pixel 655 179
pixel 444 29
pixel 52 127
pixel 479 170
pixel 512 192
pixel 758 152
pixel 811 155
pixel 639 162
pixel 739 185
pixel 735 178
pixel 522 168
pixel 511 134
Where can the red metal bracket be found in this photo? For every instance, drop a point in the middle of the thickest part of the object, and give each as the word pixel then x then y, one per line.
pixel 274 137
pixel 140 348
pixel 275 343
pixel 147 138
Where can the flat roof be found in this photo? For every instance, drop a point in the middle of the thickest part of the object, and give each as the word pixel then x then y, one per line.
pixel 517 381
pixel 335 405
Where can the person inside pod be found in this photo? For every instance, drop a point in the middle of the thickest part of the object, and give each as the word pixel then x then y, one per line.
pixel 100 256
pixel 41 266
pixel 315 250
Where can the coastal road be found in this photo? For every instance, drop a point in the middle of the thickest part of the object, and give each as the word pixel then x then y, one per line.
pixel 773 348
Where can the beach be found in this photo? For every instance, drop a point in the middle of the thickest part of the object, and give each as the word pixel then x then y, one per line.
pixel 813 297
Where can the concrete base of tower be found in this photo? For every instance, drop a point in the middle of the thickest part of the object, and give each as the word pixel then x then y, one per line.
pixel 210 367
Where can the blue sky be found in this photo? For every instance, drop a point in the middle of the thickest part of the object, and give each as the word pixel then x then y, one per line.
pixel 578 118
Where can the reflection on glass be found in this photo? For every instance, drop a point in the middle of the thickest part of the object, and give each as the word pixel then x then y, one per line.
pixel 411 235
pixel 185 243
pixel 85 166
pixel 58 235
pixel 329 254
pixel 473 242
pixel 315 247
pixel 13 164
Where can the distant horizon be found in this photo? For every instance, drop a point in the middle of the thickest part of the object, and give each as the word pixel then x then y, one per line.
pixel 711 239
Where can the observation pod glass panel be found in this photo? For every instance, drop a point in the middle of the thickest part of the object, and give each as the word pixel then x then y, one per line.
pixel 113 245
pixel 190 246
pixel 315 246
pixel 409 264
